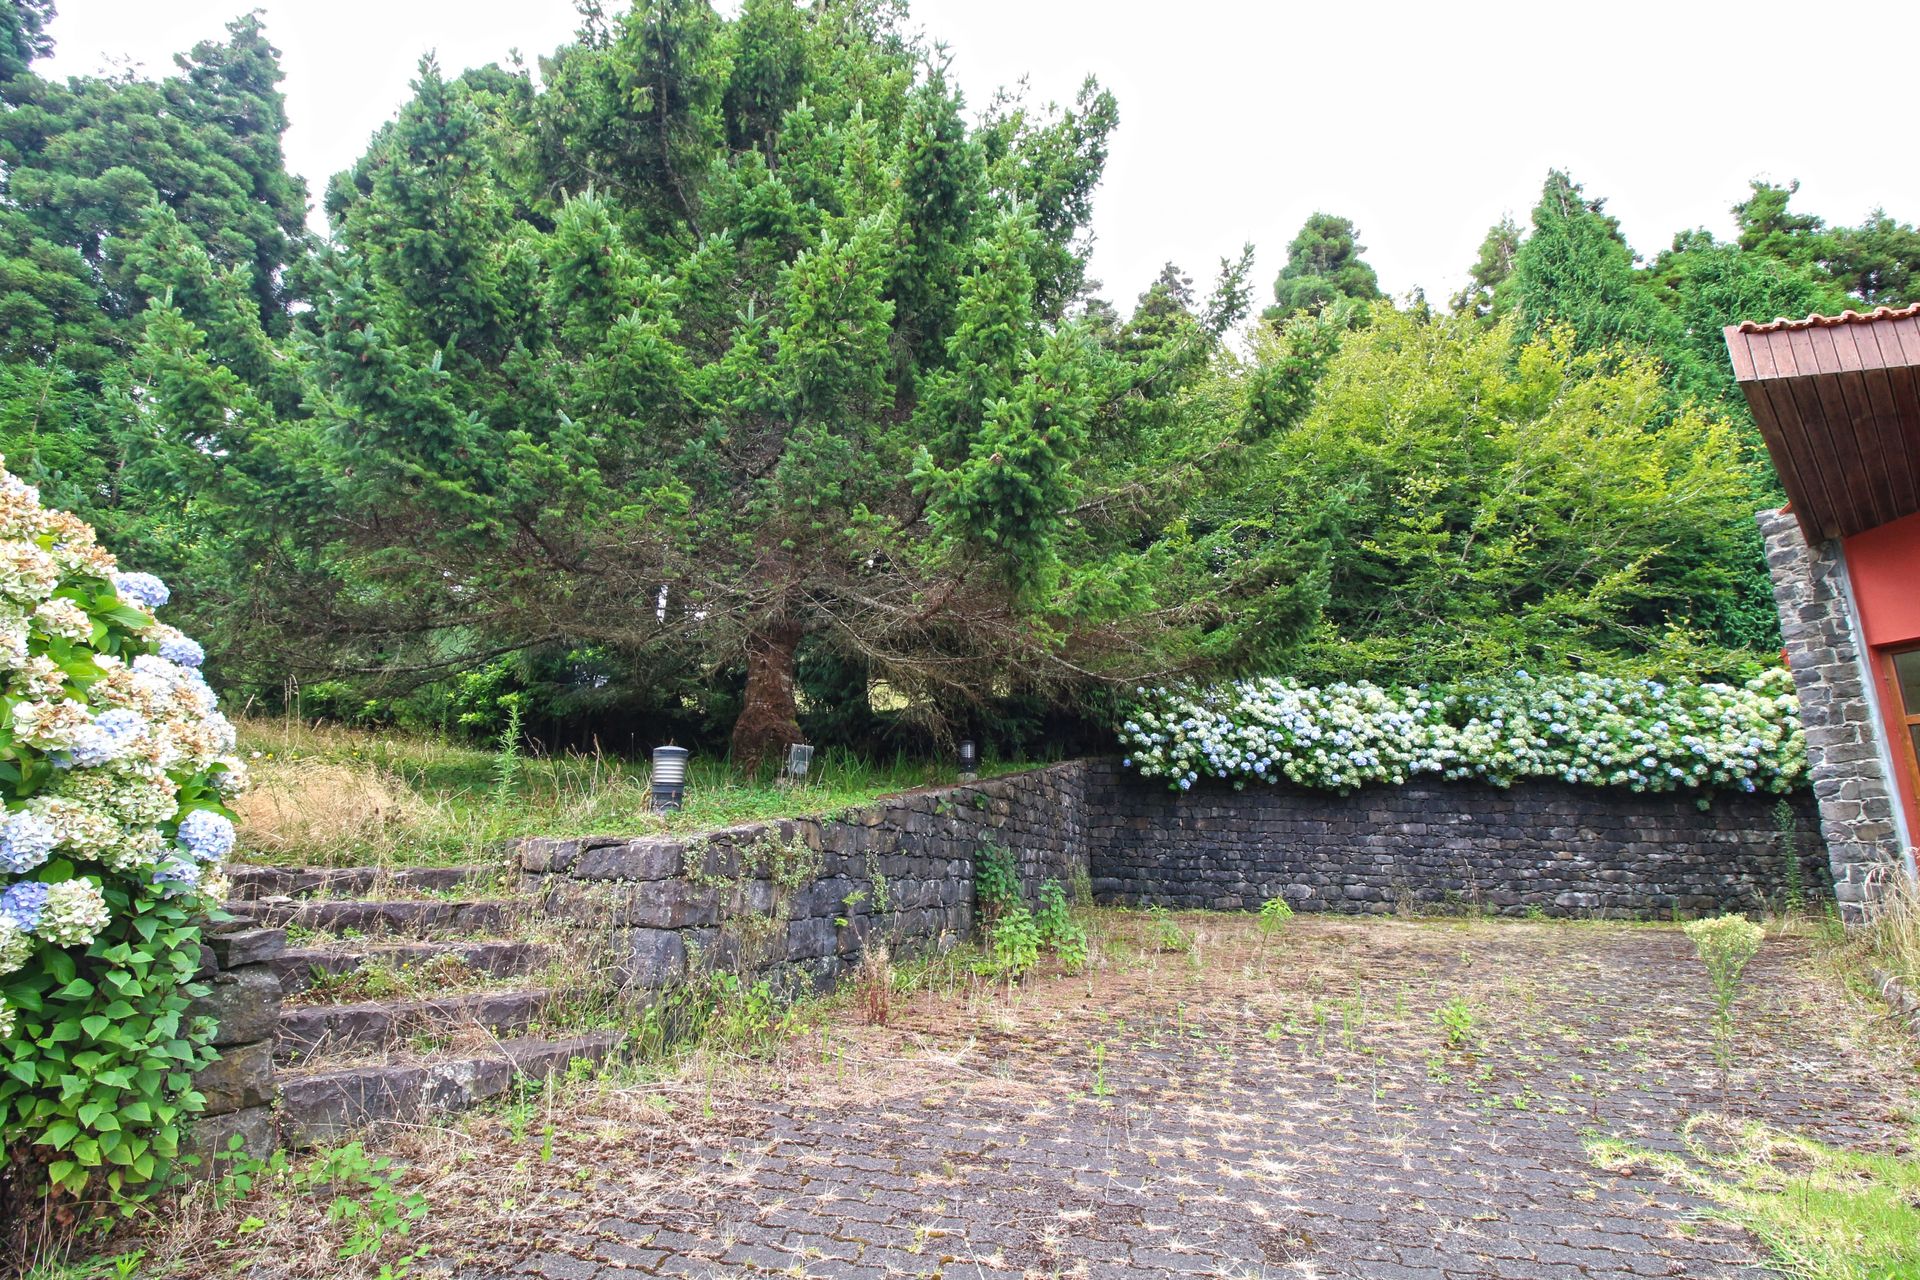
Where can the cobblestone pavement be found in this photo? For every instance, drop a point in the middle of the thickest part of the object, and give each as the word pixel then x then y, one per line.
pixel 1252 1107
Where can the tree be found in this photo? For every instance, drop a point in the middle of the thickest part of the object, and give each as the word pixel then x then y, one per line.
pixel 1878 261
pixel 116 195
pixel 1323 266
pixel 1767 226
pixel 1706 285
pixel 706 385
pixel 1490 287
pixel 1575 269
pixel 1479 501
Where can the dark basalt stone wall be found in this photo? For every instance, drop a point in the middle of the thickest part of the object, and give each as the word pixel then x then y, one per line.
pixel 1561 850
pixel 900 869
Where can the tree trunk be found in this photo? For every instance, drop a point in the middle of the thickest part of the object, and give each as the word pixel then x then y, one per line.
pixel 769 719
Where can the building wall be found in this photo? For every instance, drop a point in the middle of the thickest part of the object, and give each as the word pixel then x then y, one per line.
pixel 1553 849
pixel 1846 748
pixel 1883 566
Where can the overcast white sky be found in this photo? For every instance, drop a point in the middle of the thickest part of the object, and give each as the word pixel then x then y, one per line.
pixel 1422 122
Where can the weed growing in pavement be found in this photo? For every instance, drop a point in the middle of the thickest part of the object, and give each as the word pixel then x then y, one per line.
pixel 1787 823
pixel 1725 945
pixel 1101 1089
pixel 1013 942
pixel 1058 930
pixel 1456 1021
pixel 362 1193
pixel 1274 914
pixel 873 982
pixel 1167 933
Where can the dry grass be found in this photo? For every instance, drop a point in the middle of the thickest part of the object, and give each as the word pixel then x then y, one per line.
pixel 332 796
pixel 1890 939
pixel 324 812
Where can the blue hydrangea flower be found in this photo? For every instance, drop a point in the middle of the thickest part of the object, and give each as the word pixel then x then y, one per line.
pixel 23 903
pixel 142 588
pixel 25 841
pixel 176 875
pixel 108 738
pixel 187 653
pixel 206 835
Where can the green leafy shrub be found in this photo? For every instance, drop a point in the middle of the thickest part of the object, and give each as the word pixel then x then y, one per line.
pixel 1059 931
pixel 1649 735
pixel 114 767
pixel 1013 942
pixel 996 878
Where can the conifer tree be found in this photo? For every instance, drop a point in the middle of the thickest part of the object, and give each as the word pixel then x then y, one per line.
pixel 1324 266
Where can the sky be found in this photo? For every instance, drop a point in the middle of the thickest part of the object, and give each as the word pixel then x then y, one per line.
pixel 1422 122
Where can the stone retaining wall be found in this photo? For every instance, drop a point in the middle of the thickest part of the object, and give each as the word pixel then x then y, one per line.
pixel 245 1001
pixel 668 904
pixel 1558 849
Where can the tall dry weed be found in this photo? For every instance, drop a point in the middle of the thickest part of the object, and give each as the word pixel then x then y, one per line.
pixel 322 812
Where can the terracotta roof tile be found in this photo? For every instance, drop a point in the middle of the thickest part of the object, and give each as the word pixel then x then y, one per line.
pixel 1825 322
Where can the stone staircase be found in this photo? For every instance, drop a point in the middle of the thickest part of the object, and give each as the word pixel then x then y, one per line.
pixel 409 992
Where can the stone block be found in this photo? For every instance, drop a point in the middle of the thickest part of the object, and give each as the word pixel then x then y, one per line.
pixel 210 1138
pixel 245 1003
pixel 241 1077
pixel 243 946
pixel 652 859
pixel 653 958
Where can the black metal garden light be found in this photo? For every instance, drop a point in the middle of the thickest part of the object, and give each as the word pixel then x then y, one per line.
pixel 969 760
pixel 669 782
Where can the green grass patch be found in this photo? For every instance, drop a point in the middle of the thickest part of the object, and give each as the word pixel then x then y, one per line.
pixel 1824 1213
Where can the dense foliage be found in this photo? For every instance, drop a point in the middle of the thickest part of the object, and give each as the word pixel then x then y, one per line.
pixel 114 764
pixel 732 378
pixel 1596 730
pixel 1472 499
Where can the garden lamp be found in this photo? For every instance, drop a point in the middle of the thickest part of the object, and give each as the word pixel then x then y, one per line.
pixel 669 783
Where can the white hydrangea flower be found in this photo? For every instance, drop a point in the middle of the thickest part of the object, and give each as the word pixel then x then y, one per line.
pixel 63 617
pixel 16 945
pixel 28 575
pixel 74 915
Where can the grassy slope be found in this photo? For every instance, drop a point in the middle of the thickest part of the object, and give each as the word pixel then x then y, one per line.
pixel 329 796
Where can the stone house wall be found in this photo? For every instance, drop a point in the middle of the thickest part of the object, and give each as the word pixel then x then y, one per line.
pixel 1845 754
pixel 668 904
pixel 1561 850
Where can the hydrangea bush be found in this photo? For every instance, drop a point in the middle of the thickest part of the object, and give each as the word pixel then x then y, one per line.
pixel 114 766
pixel 1648 735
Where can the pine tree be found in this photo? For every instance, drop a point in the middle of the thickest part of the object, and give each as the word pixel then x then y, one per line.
pixel 1575 269
pixel 773 374
pixel 1324 266
pixel 1490 287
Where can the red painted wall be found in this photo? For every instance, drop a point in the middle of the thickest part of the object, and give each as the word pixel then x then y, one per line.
pixel 1883 565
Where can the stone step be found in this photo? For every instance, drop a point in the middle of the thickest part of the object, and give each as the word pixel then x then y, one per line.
pixel 296 966
pixel 251 883
pixel 320 1104
pixel 309 1031
pixel 409 917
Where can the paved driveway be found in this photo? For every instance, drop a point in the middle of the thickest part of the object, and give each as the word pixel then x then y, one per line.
pixel 1251 1107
